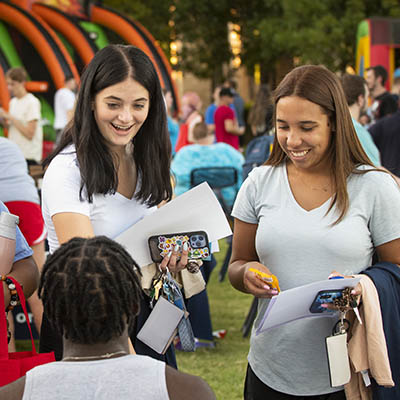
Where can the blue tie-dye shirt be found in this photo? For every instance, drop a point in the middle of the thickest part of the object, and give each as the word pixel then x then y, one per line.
pixel 200 156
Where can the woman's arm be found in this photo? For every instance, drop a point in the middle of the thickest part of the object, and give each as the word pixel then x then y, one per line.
pixel 68 225
pixel 14 390
pixel 390 252
pixel 243 257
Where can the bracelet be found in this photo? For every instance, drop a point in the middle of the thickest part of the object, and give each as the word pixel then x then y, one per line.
pixel 14 299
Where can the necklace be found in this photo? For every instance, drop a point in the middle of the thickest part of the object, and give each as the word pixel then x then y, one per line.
pixel 99 357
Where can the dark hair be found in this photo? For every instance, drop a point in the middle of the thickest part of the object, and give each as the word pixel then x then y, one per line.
pixel 200 131
pixel 320 86
pixel 17 74
pixel 379 71
pixel 90 290
pixel 226 92
pixel 353 87
pixel 151 145
pixel 261 112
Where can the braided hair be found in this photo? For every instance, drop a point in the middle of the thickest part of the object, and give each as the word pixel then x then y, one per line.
pixel 90 290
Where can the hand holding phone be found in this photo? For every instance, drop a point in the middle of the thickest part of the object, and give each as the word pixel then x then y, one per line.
pixel 198 245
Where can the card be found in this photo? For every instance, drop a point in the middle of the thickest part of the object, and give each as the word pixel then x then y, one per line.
pixel 338 359
pixel 160 327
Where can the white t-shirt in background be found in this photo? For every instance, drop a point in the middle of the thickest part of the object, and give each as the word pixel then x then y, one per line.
pixel 27 109
pixel 64 101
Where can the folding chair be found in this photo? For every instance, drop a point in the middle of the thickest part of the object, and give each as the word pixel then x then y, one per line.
pixel 218 178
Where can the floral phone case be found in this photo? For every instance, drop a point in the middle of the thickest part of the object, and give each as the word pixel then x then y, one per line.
pixel 161 245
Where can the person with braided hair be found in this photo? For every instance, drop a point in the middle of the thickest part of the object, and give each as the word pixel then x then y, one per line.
pixel 112 165
pixel 91 291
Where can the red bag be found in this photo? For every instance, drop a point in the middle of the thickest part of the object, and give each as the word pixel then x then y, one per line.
pixel 15 365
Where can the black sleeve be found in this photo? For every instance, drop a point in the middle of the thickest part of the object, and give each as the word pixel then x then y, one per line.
pixel 388 106
pixel 376 133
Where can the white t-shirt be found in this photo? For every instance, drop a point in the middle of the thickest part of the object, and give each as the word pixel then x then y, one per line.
pixel 123 378
pixel 109 214
pixel 301 247
pixel 64 101
pixel 27 109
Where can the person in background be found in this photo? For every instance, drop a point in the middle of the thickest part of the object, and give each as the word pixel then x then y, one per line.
pixel 227 129
pixel 261 113
pixel 356 92
pixel 210 111
pixel 23 118
pixel 20 195
pixel 238 102
pixel 295 217
pixel 383 103
pixel 190 116
pixel 24 269
pixel 204 153
pixel 91 290
pixel 173 126
pixel 64 104
pixel 112 165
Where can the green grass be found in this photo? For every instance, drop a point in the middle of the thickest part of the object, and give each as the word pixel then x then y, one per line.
pixel 224 366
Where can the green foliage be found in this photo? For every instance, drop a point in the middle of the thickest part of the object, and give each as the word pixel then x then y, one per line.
pixel 301 31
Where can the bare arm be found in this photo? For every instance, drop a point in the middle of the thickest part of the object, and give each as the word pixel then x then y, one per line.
pixel 243 257
pixel 14 390
pixel 28 129
pixel 183 386
pixel 390 252
pixel 25 272
pixel 232 127
pixel 69 225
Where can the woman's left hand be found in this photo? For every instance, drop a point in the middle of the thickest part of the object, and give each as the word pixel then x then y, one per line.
pixel 356 292
pixel 177 259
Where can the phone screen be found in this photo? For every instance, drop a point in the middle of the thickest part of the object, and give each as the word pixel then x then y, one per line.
pixel 323 297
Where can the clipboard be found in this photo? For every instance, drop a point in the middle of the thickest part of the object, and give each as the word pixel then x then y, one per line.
pixel 292 304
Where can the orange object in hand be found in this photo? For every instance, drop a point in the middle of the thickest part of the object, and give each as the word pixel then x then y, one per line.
pixel 271 280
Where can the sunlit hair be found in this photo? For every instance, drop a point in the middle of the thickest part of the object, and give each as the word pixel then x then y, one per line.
pixel 320 86
pixel 151 145
pixel 262 106
pixel 90 290
pixel 17 74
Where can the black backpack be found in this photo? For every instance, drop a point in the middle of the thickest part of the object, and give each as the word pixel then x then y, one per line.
pixel 257 152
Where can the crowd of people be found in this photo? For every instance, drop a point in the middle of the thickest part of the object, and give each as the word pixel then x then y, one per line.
pixel 325 203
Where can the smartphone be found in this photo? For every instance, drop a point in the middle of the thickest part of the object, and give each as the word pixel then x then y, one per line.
pixel 323 297
pixel 161 245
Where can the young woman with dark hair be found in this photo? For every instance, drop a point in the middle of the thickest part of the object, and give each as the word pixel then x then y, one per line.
pixel 317 207
pixel 112 166
pixel 91 291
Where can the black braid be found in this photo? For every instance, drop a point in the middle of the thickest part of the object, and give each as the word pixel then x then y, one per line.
pixel 90 289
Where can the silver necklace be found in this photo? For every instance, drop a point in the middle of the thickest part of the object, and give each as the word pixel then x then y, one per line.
pixel 99 357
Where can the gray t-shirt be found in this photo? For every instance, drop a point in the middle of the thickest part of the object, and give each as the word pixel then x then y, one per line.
pixel 122 378
pixel 301 247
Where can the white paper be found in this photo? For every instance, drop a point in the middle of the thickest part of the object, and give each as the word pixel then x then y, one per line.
pixel 196 209
pixel 295 303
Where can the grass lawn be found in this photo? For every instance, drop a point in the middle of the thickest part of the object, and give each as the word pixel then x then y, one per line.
pixel 224 366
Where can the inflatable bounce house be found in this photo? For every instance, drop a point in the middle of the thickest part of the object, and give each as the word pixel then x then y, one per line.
pixel 53 39
pixel 378 43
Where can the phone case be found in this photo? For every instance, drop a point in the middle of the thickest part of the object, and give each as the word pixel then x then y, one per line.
pixel 161 245
pixel 324 296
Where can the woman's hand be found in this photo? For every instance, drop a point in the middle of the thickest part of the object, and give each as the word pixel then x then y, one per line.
pixel 254 284
pixel 356 292
pixel 176 260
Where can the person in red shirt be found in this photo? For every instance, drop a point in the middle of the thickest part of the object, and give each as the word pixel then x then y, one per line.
pixel 227 129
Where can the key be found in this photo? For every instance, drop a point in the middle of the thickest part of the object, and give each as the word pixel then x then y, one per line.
pixel 353 305
pixel 157 288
